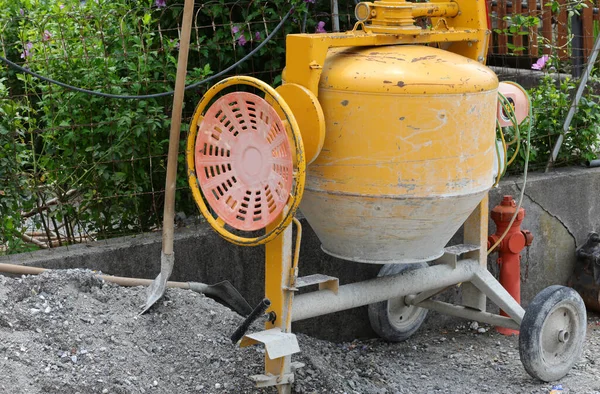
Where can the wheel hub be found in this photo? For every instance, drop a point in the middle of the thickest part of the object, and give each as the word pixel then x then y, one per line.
pixel 563 336
pixel 556 334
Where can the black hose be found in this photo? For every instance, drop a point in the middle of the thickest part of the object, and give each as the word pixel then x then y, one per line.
pixel 155 95
pixel 255 314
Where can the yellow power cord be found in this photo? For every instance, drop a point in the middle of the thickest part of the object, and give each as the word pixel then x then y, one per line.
pixel 511 114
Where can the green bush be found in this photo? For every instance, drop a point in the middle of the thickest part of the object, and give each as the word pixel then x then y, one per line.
pixel 15 158
pixel 551 101
pixel 112 153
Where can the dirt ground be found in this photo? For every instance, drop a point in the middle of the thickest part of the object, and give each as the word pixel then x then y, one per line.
pixel 70 332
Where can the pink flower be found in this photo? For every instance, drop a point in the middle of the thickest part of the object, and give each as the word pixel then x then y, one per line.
pixel 240 39
pixel 257 36
pixel 541 62
pixel 321 27
pixel 160 3
pixel 26 50
pixel 46 36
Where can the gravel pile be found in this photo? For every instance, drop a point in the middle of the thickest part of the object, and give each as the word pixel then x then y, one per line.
pixel 70 332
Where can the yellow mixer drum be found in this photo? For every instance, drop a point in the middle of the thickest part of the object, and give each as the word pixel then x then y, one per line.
pixel 408 153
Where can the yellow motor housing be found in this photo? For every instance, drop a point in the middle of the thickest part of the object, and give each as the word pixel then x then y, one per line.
pixel 408 151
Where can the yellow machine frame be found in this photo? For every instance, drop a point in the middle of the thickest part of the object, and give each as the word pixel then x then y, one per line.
pixel 459 26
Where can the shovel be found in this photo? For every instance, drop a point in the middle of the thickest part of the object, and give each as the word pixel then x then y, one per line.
pixel 159 285
pixel 224 291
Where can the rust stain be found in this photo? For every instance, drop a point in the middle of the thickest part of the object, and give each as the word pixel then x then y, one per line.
pixel 370 59
pixel 402 84
pixel 418 59
pixel 408 186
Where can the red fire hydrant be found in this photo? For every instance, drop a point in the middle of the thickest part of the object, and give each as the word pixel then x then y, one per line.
pixel 509 249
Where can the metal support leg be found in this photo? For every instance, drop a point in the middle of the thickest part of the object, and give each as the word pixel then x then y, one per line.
pixel 476 232
pixel 427 282
pixel 382 288
pixel 486 282
pixel 278 263
pixel 464 312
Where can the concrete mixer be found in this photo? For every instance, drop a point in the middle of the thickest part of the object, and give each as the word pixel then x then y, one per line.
pixel 385 138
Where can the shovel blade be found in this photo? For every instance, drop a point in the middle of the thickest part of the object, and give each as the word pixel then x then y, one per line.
pixel 159 286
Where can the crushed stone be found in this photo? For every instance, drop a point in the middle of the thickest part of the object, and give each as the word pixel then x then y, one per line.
pixel 70 332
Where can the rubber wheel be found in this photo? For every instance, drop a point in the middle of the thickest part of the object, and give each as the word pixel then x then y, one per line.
pixel 552 333
pixel 393 320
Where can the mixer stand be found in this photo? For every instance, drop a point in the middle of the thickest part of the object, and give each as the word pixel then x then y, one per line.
pixel 416 287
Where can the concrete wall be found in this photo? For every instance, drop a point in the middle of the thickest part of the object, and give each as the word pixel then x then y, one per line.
pixel 562 207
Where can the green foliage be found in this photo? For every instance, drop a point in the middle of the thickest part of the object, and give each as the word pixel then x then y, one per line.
pixel 551 101
pixel 111 152
pixel 573 6
pixel 15 157
pixel 518 25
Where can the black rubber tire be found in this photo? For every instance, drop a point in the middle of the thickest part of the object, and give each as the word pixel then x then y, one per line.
pixel 552 333
pixel 393 320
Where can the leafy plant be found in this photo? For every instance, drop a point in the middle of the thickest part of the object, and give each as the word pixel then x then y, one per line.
pixel 551 101
pixel 74 165
pixel 518 25
pixel 15 157
pixel 101 161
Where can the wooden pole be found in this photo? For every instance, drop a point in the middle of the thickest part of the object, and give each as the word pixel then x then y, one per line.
pixel 167 258
pixel 169 209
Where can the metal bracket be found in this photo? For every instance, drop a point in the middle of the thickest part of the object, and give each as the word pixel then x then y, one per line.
pixel 272 380
pixel 325 282
pixel 277 344
pixel 276 380
pixel 425 295
pixel 452 253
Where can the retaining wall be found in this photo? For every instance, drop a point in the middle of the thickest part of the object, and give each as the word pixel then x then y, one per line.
pixel 561 208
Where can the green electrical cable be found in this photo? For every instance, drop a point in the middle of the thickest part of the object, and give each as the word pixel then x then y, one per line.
pixel 155 95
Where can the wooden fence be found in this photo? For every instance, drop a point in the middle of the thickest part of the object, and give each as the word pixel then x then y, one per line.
pixel 555 28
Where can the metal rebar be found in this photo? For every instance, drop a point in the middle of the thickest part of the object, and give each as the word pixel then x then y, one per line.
pixel 574 104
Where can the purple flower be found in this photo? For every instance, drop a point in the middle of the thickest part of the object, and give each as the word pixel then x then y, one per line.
pixel 240 39
pixel 310 1
pixel 257 36
pixel 541 62
pixel 61 6
pixel 160 3
pixel 26 50
pixel 46 36
pixel 21 11
pixel 321 27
